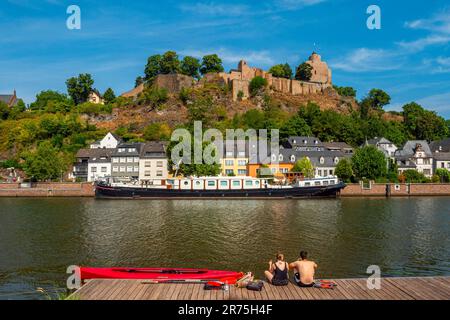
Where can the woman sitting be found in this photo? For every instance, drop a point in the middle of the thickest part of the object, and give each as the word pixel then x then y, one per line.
pixel 278 271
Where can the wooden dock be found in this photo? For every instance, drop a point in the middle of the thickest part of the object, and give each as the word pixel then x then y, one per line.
pixel 426 288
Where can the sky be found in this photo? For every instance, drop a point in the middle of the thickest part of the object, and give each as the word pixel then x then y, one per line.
pixel 409 57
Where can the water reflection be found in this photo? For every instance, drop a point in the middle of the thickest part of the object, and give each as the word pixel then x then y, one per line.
pixel 39 238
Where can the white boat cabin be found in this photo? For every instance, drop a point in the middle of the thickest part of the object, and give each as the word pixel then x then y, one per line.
pixel 216 183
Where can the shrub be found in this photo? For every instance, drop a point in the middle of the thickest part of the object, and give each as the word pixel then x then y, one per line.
pixel 257 84
pixel 414 176
pixel 154 96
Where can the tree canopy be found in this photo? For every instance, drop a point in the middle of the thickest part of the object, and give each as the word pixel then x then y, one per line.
pixel 281 71
pixel 344 170
pixel 305 167
pixel 190 66
pixel 109 96
pixel 304 72
pixel 80 87
pixel 423 124
pixel 369 163
pixel 211 64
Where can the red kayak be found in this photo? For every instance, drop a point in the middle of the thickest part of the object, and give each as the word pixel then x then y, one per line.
pixel 160 274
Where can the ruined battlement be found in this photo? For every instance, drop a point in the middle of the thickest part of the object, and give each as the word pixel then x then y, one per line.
pixel 239 79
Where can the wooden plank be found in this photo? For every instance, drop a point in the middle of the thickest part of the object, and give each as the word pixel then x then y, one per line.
pixel 118 290
pixel 396 293
pixel 412 291
pixel 176 291
pixel 434 287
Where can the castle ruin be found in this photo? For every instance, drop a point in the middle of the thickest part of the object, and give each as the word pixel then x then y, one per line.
pixel 239 79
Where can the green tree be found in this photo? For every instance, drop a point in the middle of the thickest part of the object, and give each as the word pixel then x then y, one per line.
pixel 139 80
pixel 257 84
pixel 344 170
pixel 281 71
pixel 423 124
pixel 45 163
pixel 157 131
pixel 4 111
pixel 46 100
pixel 80 87
pixel 169 63
pixel 414 176
pixel 153 67
pixel 369 162
pixel 154 96
pixel 375 100
pixel 211 64
pixel 304 72
pixel 190 66
pixel 443 174
pixel 253 119
pixel 305 167
pixel 295 126
pixel 345 91
pixel 109 96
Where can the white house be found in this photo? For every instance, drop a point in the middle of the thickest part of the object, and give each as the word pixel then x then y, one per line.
pixel 95 97
pixel 153 163
pixel 384 145
pixel 416 155
pixel 110 141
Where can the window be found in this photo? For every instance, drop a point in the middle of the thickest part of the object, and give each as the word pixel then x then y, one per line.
pixel 307 184
pixel 197 183
pixel 280 158
pixel 242 172
pixel 123 160
pixel 211 183
pixel 248 183
pixel 148 164
pixel 229 162
pixel 115 160
pixel 317 183
pixel 131 149
pixel 242 162
pixel 159 164
pixel 241 154
pixel 322 160
pixel 148 173
pixel 115 169
pixel 129 169
pixel 130 159
pixel 236 183
pixel 121 150
pixel 319 172
pixel 325 183
pixel 136 159
pixel 223 183
pixel 122 169
pixel 292 158
pixel 336 160
pixel 274 158
pixel 442 165
pixel 104 169
pixel 331 172
pixel 256 183
pixel 426 161
pixel 136 168
pixel 159 173
pixel 93 169
pixel 229 154
pixel 229 172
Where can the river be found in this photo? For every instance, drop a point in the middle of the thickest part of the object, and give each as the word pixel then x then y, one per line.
pixel 40 238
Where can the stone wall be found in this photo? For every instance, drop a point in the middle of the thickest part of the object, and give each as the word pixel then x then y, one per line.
pixel 47 190
pixel 173 83
pixel 397 190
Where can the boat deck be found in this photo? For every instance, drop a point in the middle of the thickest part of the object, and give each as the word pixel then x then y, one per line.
pixel 425 288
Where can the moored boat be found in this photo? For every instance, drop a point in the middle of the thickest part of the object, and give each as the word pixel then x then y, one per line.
pixel 221 187
pixel 160 274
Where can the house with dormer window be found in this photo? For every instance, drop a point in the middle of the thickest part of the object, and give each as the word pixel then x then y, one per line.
pixel 415 155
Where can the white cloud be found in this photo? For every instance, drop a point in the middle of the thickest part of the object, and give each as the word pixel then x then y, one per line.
pixel 437 102
pixel 422 43
pixel 364 60
pixel 214 9
pixel 296 4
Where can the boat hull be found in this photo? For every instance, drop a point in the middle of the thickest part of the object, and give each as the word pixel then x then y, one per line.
pixel 108 192
pixel 159 274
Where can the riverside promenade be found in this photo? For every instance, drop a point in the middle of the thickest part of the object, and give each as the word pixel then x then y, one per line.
pixel 423 288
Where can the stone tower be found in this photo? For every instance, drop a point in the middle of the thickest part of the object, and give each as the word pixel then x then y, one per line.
pixel 320 73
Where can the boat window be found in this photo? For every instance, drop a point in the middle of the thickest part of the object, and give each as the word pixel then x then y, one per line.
pixel 211 183
pixel 236 183
pixel 197 183
pixel 186 183
pixel 317 183
pixel 256 183
pixel 223 183
pixel 248 183
pixel 307 184
pixel 332 181
pixel 325 183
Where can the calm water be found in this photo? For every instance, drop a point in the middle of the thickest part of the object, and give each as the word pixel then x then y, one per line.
pixel 39 238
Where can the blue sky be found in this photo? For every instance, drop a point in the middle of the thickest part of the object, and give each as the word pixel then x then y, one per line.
pixel 409 57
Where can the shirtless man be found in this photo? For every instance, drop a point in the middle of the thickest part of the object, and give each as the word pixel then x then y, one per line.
pixel 304 275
